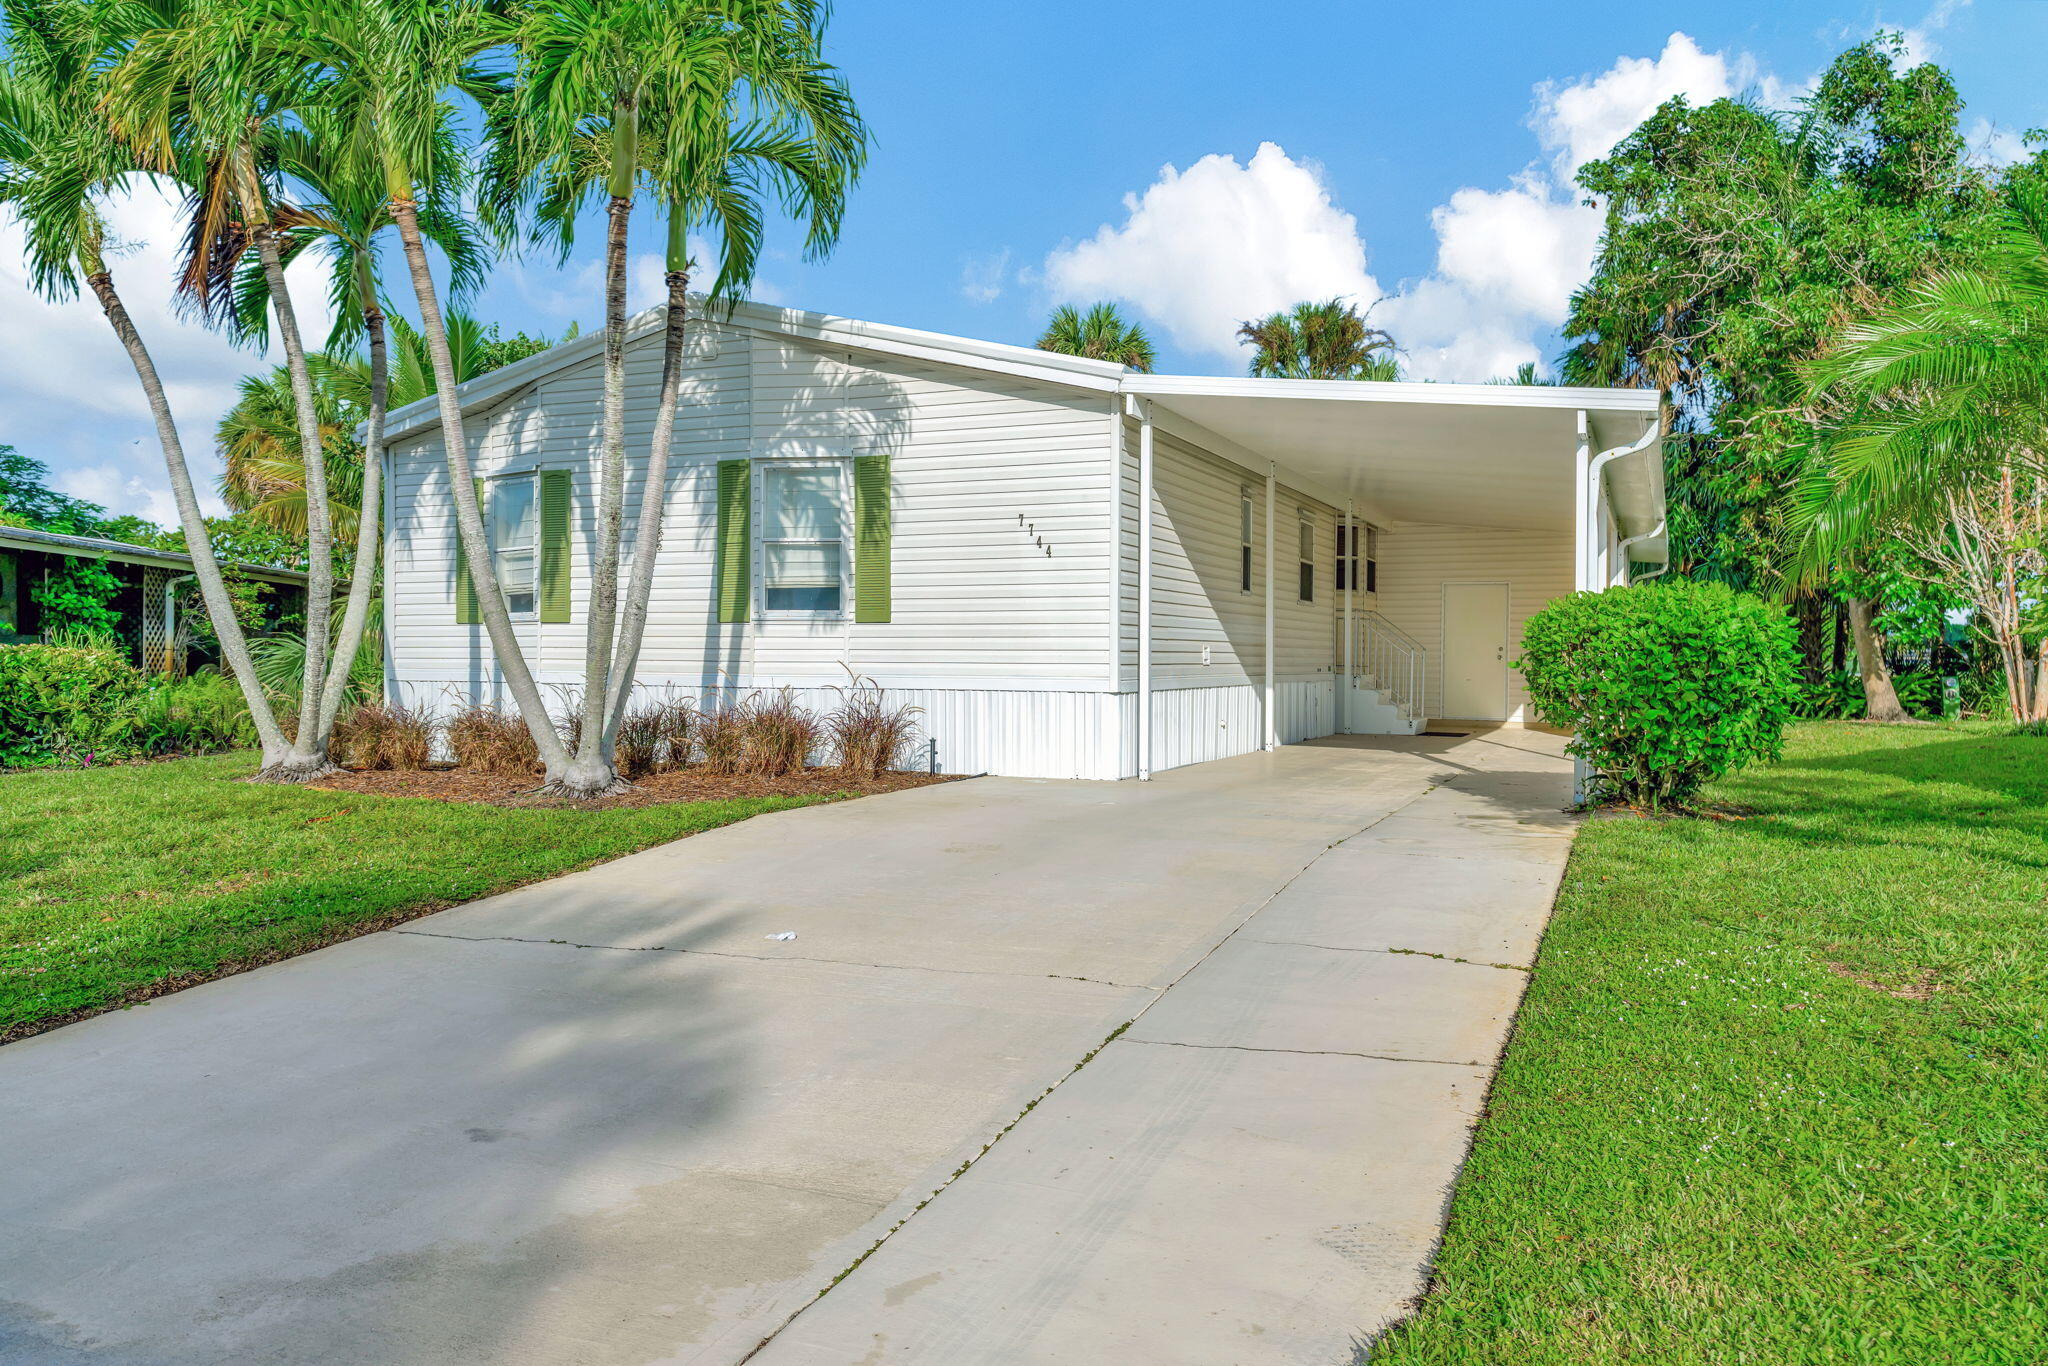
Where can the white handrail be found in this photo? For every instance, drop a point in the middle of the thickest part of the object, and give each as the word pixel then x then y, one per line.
pixel 1394 661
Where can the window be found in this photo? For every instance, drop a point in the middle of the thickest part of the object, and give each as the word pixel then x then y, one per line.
pixel 1307 528
pixel 1372 559
pixel 514 525
pixel 803 538
pixel 1349 545
pixel 1244 537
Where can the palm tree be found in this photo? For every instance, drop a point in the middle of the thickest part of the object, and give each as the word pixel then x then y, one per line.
pixel 1328 340
pixel 614 93
pixel 258 439
pixel 1944 438
pixel 1102 333
pixel 59 162
pixel 205 93
pixel 393 72
pixel 803 143
pixel 343 219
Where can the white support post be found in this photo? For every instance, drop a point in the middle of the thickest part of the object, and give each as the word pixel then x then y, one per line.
pixel 1145 592
pixel 1116 558
pixel 1582 577
pixel 1272 564
pixel 1582 474
pixel 1347 565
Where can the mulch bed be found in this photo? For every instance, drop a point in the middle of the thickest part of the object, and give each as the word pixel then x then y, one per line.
pixel 443 783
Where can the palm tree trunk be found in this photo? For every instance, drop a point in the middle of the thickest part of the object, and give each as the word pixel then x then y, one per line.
pixel 1880 699
pixel 2040 710
pixel 469 523
pixel 309 747
pixel 349 638
pixel 594 773
pixel 213 590
pixel 653 491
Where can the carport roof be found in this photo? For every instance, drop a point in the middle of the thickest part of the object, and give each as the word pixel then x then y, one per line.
pixel 1487 455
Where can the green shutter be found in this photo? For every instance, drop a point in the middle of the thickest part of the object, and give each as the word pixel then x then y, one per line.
pixel 734 511
pixel 466 610
pixel 554 545
pixel 871 538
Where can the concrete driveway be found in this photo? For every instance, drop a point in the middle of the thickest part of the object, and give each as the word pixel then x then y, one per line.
pixel 1190 1066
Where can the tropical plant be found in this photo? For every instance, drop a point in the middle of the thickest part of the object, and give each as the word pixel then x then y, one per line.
pixel 1102 333
pixel 60 160
pixel 53 699
pixel 712 107
pixel 203 91
pixel 1326 340
pixel 1665 686
pixel 262 474
pixel 1945 442
pixel 1739 242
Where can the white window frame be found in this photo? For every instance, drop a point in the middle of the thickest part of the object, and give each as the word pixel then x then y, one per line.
pixel 1305 550
pixel 492 483
pixel 757 552
pixel 1247 530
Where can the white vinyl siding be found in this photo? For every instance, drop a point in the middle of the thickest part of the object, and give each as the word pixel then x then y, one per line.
pixel 1000 539
pixel 1417 560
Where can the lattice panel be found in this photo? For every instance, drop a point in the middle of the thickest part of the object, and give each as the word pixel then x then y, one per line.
pixel 156 645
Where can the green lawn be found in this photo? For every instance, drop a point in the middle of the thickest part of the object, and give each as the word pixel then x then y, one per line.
pixel 118 883
pixel 1777 1093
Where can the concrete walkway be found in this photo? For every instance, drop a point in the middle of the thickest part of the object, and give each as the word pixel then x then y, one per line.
pixel 608 1119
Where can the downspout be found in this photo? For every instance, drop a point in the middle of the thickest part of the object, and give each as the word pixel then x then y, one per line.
pixel 171 615
pixel 1622 551
pixel 1596 487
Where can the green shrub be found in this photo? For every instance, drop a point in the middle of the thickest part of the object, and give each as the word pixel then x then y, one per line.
pixel 1665 686
pixel 56 701
pixel 200 714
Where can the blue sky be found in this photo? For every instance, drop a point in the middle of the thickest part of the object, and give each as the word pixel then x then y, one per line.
pixel 1418 156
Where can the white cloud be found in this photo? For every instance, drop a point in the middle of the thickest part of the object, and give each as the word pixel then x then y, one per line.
pixel 1582 121
pixel 70 396
pixel 1921 44
pixel 1204 248
pixel 1994 145
pixel 981 277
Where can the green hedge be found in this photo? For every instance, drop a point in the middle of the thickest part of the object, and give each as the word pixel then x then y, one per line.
pixel 1665 686
pixel 66 704
pixel 54 700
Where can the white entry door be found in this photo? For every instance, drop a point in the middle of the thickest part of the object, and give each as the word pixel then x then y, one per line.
pixel 1476 651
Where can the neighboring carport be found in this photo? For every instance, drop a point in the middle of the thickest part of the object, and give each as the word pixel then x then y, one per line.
pixel 1190 1066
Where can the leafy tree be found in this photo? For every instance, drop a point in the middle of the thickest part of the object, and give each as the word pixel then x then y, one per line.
pixel 60 159
pixel 26 499
pixel 1945 445
pixel 1739 242
pixel 1327 340
pixel 1102 333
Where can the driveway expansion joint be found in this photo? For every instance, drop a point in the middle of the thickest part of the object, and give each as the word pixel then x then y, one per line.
pixel 1400 953
pixel 1309 1052
pixel 771 958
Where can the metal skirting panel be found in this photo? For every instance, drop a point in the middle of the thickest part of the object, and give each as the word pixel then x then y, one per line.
pixel 1018 734
pixel 1195 725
